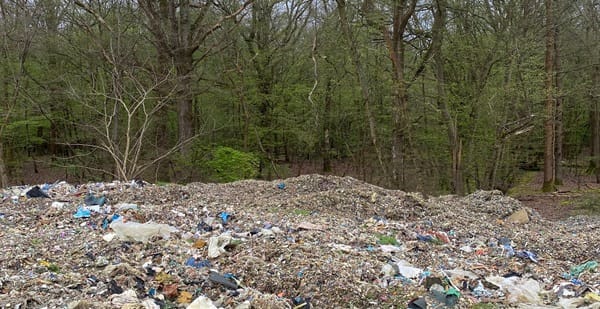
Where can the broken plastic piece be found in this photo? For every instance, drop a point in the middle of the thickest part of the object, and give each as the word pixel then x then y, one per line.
pixel 36 192
pixel 197 263
pixel 90 200
pixel 301 302
pixel 527 255
pixel 575 271
pixel 224 216
pixel 407 270
pixel 417 303
pixel 228 282
pixel 123 299
pixel 82 213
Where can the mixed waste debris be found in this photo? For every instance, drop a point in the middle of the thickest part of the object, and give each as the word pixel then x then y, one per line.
pixel 306 242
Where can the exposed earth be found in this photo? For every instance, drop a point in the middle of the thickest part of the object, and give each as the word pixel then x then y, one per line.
pixel 555 205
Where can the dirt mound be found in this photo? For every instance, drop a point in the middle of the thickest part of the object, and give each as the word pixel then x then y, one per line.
pixel 319 240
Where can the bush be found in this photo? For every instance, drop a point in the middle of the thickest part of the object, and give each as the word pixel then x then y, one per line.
pixel 228 164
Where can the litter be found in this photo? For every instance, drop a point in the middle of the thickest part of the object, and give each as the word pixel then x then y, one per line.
pixel 519 290
pixel 407 270
pixel 82 213
pixel 226 281
pixel 217 244
pixel 193 262
pixel 202 302
pixel 36 191
pixel 575 271
pixel 90 200
pixel 527 255
pixel 328 242
pixel 140 231
pixel 126 298
pixel 126 206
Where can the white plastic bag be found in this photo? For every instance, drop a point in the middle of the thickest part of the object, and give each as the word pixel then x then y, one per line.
pixel 519 290
pixel 202 302
pixel 217 244
pixel 141 231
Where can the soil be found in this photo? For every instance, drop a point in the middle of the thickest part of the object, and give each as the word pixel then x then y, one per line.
pixel 555 205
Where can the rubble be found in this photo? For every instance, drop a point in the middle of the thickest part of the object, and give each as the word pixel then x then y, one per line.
pixel 310 241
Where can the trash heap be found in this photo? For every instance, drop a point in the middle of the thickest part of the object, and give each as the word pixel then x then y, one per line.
pixel 306 242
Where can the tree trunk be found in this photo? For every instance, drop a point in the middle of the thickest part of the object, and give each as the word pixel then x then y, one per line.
pixel 595 123
pixel 451 127
pixel 3 171
pixel 362 79
pixel 558 138
pixel 402 13
pixel 326 152
pixel 549 128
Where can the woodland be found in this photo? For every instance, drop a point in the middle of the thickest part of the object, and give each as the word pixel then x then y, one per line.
pixel 437 96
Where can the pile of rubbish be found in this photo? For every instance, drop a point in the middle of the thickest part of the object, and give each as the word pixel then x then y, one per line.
pixel 307 242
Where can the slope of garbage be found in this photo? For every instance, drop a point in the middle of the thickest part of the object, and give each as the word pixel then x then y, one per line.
pixel 306 242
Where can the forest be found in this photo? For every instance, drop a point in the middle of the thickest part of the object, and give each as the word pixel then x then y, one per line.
pixel 437 96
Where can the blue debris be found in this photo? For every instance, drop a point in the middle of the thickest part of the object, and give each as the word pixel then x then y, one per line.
pixel 197 263
pixel 527 255
pixel 90 200
pixel 509 250
pixel 576 281
pixel 427 238
pixel 224 216
pixel 82 213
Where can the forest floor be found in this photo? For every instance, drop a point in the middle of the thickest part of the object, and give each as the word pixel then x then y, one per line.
pixel 577 195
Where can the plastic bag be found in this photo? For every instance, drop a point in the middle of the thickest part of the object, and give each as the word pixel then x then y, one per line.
pixel 407 270
pixel 141 231
pixel 520 290
pixel 202 302
pixel 217 244
pixel 128 297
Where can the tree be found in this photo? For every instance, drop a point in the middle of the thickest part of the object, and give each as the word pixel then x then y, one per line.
pixel 439 22
pixel 362 79
pixel 180 33
pixel 550 111
pixel 121 98
pixel 17 34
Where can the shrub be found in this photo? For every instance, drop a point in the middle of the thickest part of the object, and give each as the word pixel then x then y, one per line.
pixel 228 164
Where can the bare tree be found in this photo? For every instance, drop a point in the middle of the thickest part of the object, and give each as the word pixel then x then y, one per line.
pixel 139 102
pixel 122 96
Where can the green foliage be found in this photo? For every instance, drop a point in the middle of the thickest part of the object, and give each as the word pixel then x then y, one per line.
pixel 27 132
pixel 386 240
pixel 228 164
